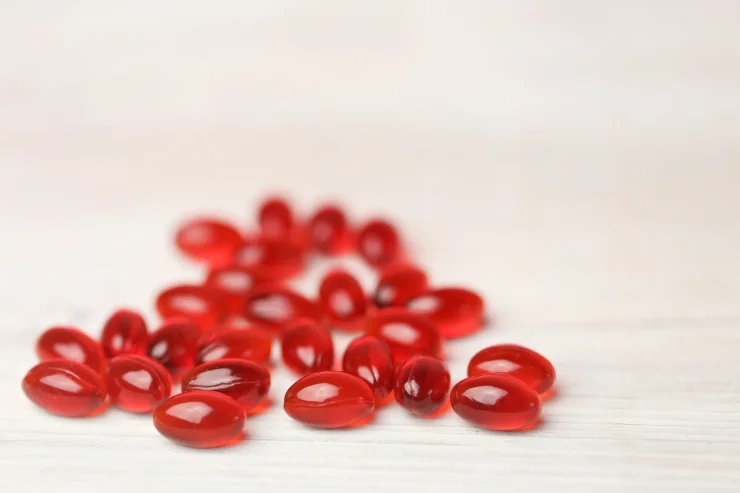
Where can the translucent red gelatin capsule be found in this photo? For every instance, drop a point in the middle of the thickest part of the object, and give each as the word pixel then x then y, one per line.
pixel 136 383
pixel 72 344
pixel 496 402
pixel 200 419
pixel 370 359
pixel 174 345
pixel 271 259
pixel 253 343
pixel 342 300
pixel 378 243
pixel 517 361
pixel 422 384
pixel 398 284
pixel 407 334
pixel 456 312
pixel 233 283
pixel 208 240
pixel 125 332
pixel 306 347
pixel 275 307
pixel 275 218
pixel 201 304
pixel 65 387
pixel 329 399
pixel 245 381
pixel 329 232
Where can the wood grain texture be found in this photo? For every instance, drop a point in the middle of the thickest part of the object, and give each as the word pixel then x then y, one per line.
pixel 575 162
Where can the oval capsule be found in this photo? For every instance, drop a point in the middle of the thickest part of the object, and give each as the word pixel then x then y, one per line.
pixel 271 259
pixel 370 359
pixel 136 383
pixel 244 381
pixel 407 334
pixel 209 240
pixel 277 306
pixel 516 361
pixel 251 343
pixel 378 243
pixel 456 312
pixel 65 387
pixel 201 304
pixel 174 345
pixel 72 344
pixel 306 347
pixel 275 217
pixel 422 384
pixel 329 399
pixel 398 284
pixel 342 300
pixel 233 283
pixel 125 332
pixel 329 232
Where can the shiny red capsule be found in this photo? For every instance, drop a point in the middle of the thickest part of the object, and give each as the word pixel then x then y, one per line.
pixel 378 243
pixel 208 240
pixel 496 402
pixel 244 381
pixel 342 300
pixel 329 399
pixel 329 231
pixel 201 304
pixel 516 361
pixel 65 387
pixel 174 345
pixel 398 284
pixel 456 312
pixel 422 384
pixel 407 334
pixel 72 344
pixel 271 259
pixel 252 343
pixel 370 359
pixel 233 283
pixel 125 332
pixel 275 218
pixel 306 347
pixel 200 419
pixel 136 383
pixel 275 307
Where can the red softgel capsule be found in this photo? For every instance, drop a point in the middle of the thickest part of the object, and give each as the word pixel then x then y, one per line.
pixel 378 243
pixel 65 387
pixel 244 381
pixel 201 304
pixel 275 218
pixel 136 383
pixel 72 344
pixel 369 358
pixel 456 312
pixel 422 384
pixel 200 419
pixel 252 343
pixel 496 402
pixel 398 284
pixel 125 332
pixel 329 232
pixel 306 347
pixel 233 283
pixel 174 345
pixel 342 300
pixel 271 259
pixel 208 240
pixel 516 361
pixel 329 399
pixel 276 306
pixel 407 334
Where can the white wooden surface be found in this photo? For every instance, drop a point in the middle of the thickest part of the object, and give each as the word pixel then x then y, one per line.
pixel 576 161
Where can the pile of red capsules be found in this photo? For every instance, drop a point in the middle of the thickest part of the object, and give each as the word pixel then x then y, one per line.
pixel 216 339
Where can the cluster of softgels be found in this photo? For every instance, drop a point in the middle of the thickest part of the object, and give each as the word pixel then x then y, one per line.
pixel 217 337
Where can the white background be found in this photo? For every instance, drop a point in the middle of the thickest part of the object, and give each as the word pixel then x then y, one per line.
pixel 577 162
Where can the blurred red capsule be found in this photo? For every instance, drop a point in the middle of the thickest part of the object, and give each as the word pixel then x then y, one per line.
pixel 201 304
pixel 208 240
pixel 342 300
pixel 456 312
pixel 329 232
pixel 277 306
pixel 379 243
pixel 398 284
pixel 125 332
pixel 275 218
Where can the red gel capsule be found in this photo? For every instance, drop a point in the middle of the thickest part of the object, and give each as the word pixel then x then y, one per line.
pixel 342 300
pixel 174 346
pixel 233 283
pixel 208 240
pixel 516 361
pixel 398 284
pixel 200 419
pixel 496 402
pixel 244 381
pixel 306 347
pixel 65 387
pixel 275 217
pixel 407 334
pixel 72 344
pixel 125 332
pixel 329 232
pixel 271 259
pixel 329 399
pixel 136 383
pixel 370 359
pixel 200 304
pixel 422 384
pixel 378 243
pixel 456 312
pixel 252 343
pixel 275 307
